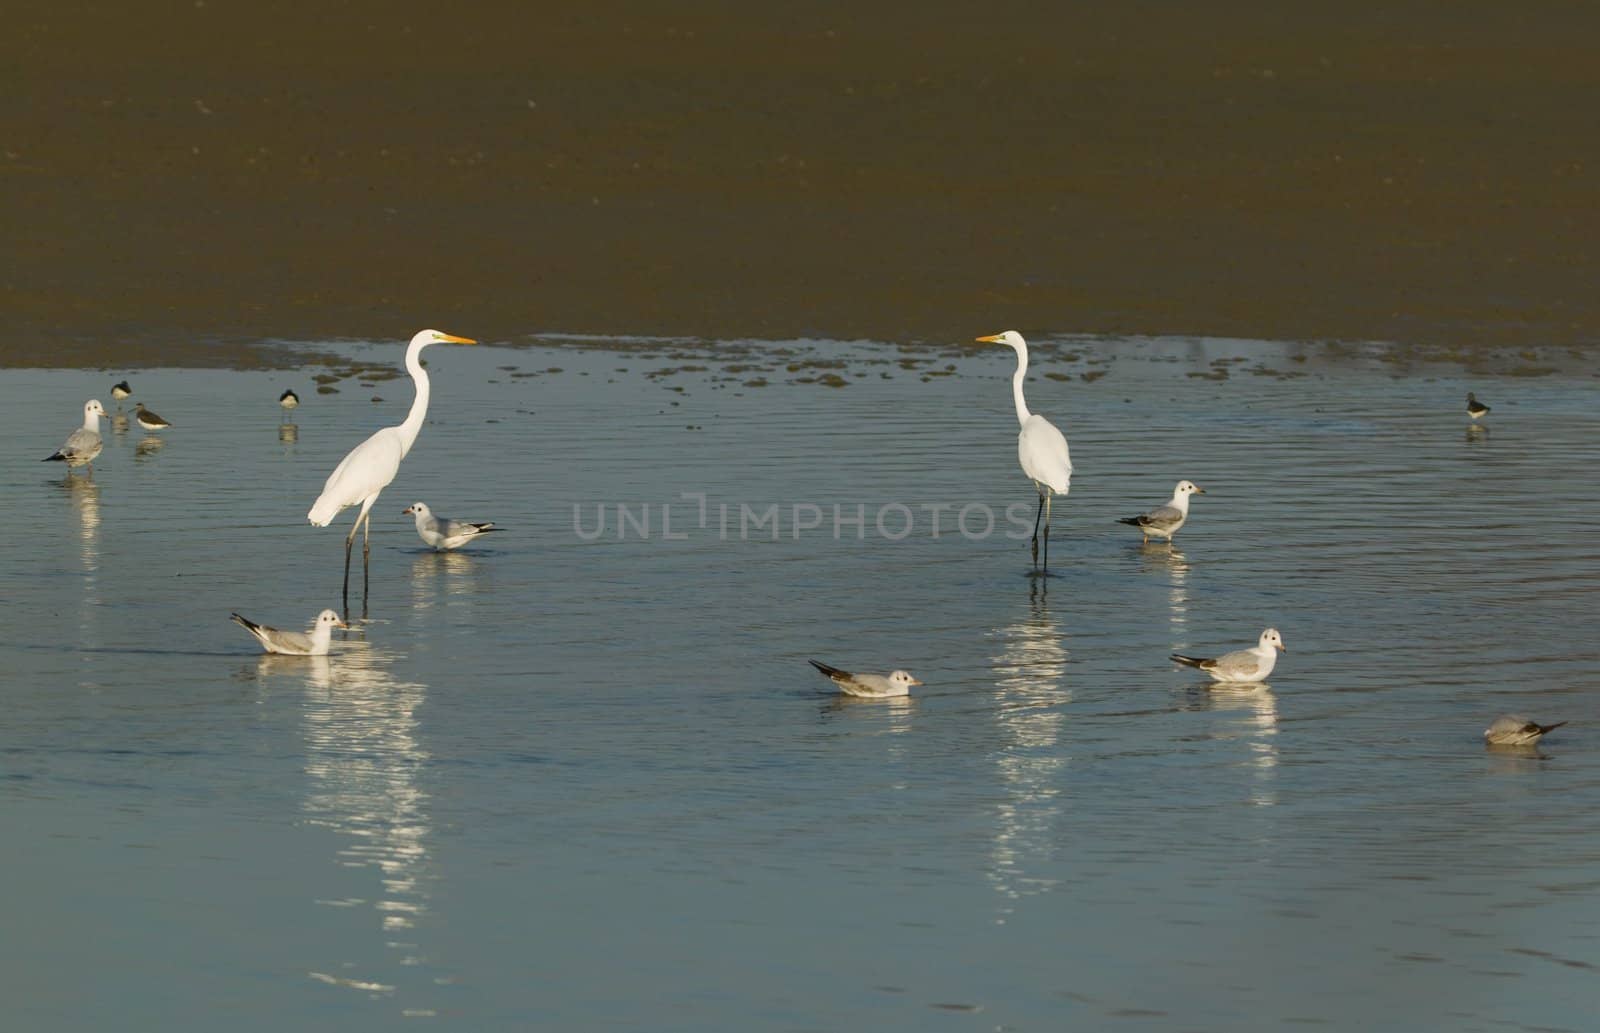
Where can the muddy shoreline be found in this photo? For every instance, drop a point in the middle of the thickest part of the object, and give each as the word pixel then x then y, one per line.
pixel 1406 175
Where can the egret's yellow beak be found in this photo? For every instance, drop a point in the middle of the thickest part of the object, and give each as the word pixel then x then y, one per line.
pixel 991 339
pixel 453 339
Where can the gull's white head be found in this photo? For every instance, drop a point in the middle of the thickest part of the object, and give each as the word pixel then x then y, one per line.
pixel 329 619
pixel 93 408
pixel 902 679
pixel 1009 338
pixel 1270 639
pixel 427 337
pixel 1186 488
pixel 419 508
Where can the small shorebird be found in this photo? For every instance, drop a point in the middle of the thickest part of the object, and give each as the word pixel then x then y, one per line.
pixel 869 686
pixel 120 390
pixel 288 399
pixel 443 533
pixel 295 643
pixel 1245 665
pixel 1515 730
pixel 83 444
pixel 1165 520
pixel 147 419
pixel 1475 408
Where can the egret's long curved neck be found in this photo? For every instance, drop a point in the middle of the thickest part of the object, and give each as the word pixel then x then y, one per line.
pixel 419 406
pixel 1016 385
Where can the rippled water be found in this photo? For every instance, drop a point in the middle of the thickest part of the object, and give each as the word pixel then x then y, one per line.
pixel 583 784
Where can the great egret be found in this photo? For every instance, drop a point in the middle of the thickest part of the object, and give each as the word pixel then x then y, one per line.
pixel 1516 730
pixel 1245 665
pixel 147 419
pixel 83 444
pixel 442 533
pixel 869 686
pixel 371 465
pixel 1165 520
pixel 1475 408
pixel 295 643
pixel 1041 448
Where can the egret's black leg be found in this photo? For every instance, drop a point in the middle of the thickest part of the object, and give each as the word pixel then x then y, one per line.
pixel 1036 517
pixel 1047 535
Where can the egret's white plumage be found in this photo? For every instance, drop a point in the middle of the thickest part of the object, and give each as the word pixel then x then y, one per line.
pixel 371 465
pixel 83 444
pixel 869 686
pixel 1245 665
pixel 1041 447
pixel 443 533
pixel 1516 730
pixel 1165 520
pixel 295 643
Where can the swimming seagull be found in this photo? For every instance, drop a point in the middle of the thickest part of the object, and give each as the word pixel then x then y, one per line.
pixel 1245 665
pixel 1165 520
pixel 147 419
pixel 288 399
pixel 1475 408
pixel 1516 730
pixel 442 533
pixel 869 686
pixel 295 643
pixel 83 444
pixel 120 390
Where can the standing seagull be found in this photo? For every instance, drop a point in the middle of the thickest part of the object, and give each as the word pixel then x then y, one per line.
pixel 1516 730
pixel 295 643
pixel 1246 665
pixel 371 465
pixel 442 533
pixel 83 444
pixel 1165 520
pixel 868 686
pixel 147 419
pixel 1041 448
pixel 1475 408
pixel 120 390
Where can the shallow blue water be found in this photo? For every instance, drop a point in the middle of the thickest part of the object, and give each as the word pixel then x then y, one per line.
pixel 589 784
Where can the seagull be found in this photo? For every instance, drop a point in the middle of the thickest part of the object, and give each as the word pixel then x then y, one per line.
pixel 443 533
pixel 147 419
pixel 1516 730
pixel 1475 408
pixel 83 444
pixel 288 399
pixel 1165 520
pixel 1245 665
pixel 120 390
pixel 295 643
pixel 869 686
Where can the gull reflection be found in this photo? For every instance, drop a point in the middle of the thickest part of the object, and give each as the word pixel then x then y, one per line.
pixel 1029 716
pixel 436 574
pixel 1166 558
pixel 1257 708
pixel 363 757
pixel 84 496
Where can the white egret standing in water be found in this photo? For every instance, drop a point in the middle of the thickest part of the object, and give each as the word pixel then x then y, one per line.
pixel 1041 448
pixel 371 465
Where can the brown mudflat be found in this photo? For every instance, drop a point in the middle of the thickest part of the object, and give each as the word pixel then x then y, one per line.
pixel 180 180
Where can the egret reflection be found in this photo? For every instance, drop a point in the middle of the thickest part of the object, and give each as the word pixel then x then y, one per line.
pixel 363 757
pixel 1029 718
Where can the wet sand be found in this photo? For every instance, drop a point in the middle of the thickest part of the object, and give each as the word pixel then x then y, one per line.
pixel 184 182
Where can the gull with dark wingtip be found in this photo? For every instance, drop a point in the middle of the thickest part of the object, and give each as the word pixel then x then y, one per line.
pixel 1516 730
pixel 295 643
pixel 1165 520
pixel 1244 665
pixel 869 686
pixel 443 533
pixel 83 444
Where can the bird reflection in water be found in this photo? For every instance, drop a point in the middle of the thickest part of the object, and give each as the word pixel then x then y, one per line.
pixel 149 446
pixel 119 423
pixel 1476 433
pixel 1257 727
pixel 363 757
pixel 84 496
pixel 443 574
pixel 288 433
pixel 1163 557
pixel 1029 718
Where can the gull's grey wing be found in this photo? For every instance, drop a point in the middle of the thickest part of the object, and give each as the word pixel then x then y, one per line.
pixel 1161 517
pixel 82 442
pixel 452 528
pixel 1241 663
pixel 865 685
